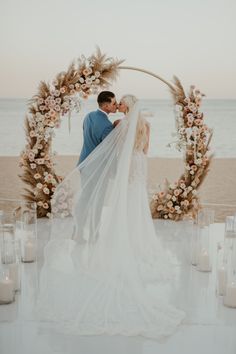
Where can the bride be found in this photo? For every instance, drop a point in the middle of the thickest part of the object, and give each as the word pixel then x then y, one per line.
pixel 105 271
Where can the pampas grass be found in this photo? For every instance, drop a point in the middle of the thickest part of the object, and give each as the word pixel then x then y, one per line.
pixel 36 159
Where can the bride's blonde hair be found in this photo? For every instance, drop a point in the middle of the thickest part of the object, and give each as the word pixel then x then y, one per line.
pixel 129 101
pixel 141 129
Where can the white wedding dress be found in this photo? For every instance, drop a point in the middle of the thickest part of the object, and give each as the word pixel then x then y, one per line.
pixel 105 271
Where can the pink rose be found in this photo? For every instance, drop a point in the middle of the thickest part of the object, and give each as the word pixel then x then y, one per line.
pixel 177 192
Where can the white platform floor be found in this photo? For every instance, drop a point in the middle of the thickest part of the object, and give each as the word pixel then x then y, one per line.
pixel 20 333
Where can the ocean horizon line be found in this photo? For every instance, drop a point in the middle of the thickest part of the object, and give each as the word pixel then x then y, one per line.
pixel 141 98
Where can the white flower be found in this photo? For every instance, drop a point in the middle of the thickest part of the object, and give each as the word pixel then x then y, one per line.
pixel 46 190
pixel 198 161
pixel 37 176
pixel 57 108
pixel 97 74
pixel 81 80
pixel 62 89
pixel 66 105
pixel 33 166
pixel 40 101
pixel 40 161
pixel 178 107
pixel 57 93
pixel 187 167
pixel 97 81
pixel 32 133
pixel 52 103
pixel 39 185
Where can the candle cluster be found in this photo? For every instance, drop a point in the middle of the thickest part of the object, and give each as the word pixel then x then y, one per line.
pixel 18 242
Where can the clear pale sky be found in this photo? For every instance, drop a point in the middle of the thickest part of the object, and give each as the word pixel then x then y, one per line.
pixel 195 40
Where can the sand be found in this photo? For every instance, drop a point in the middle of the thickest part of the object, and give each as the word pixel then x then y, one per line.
pixel 219 186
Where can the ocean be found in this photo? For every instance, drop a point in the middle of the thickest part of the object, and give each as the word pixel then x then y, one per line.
pixel 219 115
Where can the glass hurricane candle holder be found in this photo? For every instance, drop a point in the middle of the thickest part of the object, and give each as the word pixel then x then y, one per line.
pixel 194 244
pixel 205 219
pixel 230 226
pixel 8 252
pixel 221 270
pixel 9 259
pixel 7 293
pixel 230 292
pixel 29 232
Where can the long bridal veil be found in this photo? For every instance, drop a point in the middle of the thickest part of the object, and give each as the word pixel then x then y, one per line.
pixel 103 253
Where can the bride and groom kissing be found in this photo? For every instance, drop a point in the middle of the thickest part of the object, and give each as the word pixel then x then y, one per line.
pixel 96 124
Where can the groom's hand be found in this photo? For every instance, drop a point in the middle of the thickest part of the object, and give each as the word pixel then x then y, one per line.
pixel 116 122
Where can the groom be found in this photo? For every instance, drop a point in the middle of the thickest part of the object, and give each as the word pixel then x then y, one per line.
pixel 96 124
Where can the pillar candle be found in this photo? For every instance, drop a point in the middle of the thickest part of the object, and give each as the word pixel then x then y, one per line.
pixel 204 261
pixel 6 290
pixel 230 295
pixel 29 252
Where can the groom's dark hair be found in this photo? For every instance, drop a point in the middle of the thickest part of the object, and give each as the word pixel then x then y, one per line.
pixel 105 97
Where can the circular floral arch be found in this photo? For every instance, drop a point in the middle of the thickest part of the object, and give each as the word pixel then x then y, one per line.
pixel 89 76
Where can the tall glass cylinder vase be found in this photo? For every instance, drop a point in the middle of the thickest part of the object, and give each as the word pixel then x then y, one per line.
pixel 29 232
pixel 194 244
pixel 9 260
pixel 7 291
pixel 230 246
pixel 205 219
pixel 221 269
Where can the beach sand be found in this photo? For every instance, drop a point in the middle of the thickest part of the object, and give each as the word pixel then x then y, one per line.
pixel 219 186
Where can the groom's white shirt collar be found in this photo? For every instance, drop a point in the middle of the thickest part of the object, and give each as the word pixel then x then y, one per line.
pixel 99 109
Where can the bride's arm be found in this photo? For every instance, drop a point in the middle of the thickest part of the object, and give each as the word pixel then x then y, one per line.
pixel 145 149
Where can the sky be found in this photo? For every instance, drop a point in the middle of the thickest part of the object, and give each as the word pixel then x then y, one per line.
pixel 194 40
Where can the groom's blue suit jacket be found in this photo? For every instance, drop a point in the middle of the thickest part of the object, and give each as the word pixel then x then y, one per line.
pixel 96 127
